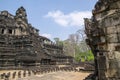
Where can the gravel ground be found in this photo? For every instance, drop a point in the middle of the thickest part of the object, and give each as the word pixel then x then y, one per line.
pixel 58 76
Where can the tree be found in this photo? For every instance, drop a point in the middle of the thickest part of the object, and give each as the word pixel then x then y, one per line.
pixel 68 48
pixel 77 47
pixel 58 41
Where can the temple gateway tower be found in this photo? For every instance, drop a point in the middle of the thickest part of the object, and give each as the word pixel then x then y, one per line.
pixel 103 36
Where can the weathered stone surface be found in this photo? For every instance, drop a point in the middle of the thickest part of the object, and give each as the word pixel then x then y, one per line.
pixel 103 33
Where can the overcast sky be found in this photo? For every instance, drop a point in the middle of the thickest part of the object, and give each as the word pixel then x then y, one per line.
pixel 54 18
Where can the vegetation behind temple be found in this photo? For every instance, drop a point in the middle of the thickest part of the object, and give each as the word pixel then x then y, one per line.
pixel 76 46
pixel 84 56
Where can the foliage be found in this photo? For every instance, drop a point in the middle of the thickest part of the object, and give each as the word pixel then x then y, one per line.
pixel 76 46
pixel 58 41
pixel 84 56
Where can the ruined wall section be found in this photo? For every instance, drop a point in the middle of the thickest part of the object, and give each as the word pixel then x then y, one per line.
pixel 103 32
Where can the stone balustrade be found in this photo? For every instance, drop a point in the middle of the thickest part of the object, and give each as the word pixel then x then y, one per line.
pixel 19 74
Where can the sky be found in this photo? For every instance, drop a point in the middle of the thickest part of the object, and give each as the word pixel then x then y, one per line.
pixel 54 18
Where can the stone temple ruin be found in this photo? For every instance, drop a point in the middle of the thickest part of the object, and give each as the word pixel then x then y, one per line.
pixel 21 45
pixel 103 37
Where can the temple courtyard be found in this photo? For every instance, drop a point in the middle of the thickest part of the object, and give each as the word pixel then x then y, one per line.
pixel 60 75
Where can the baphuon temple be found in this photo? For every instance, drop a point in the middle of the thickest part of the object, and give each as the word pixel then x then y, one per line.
pixel 21 45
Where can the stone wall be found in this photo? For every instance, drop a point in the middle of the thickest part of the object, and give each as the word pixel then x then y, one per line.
pixel 103 36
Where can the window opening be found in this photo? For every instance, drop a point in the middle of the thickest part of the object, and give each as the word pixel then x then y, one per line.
pixel 10 31
pixel 2 31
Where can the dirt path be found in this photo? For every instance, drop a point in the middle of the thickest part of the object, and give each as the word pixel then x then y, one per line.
pixel 58 76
